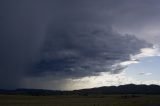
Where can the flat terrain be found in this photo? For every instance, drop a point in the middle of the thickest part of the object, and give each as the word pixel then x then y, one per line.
pixel 94 100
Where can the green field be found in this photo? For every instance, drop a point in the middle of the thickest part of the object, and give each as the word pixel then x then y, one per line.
pixel 102 100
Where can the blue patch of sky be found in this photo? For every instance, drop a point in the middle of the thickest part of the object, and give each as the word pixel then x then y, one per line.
pixel 146 65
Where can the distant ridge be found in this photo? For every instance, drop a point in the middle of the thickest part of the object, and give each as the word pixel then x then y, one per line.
pixel 122 89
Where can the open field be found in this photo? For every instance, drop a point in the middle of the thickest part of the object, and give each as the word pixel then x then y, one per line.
pixel 102 100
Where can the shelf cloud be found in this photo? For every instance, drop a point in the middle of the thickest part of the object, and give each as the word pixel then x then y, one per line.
pixel 85 50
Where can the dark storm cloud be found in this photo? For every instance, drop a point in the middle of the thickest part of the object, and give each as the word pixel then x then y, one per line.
pixel 21 32
pixel 67 38
pixel 79 50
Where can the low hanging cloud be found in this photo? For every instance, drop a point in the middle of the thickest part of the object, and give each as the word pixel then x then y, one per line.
pixel 80 50
pixel 63 39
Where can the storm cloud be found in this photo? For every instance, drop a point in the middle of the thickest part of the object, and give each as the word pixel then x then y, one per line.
pixel 71 38
pixel 79 50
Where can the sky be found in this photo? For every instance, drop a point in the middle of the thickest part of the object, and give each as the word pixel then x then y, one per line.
pixel 75 44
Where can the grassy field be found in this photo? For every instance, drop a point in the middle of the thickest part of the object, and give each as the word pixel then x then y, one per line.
pixel 102 100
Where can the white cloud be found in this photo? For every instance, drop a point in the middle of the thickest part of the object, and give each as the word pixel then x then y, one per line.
pixel 107 79
pixel 148 52
pixel 144 52
pixel 144 73
pixel 126 63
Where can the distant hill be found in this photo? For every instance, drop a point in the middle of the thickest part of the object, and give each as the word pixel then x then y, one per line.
pixel 123 89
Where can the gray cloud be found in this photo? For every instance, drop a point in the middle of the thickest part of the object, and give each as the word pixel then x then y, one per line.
pixel 69 38
pixel 80 50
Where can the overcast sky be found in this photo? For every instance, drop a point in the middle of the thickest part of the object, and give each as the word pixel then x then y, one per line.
pixel 74 44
